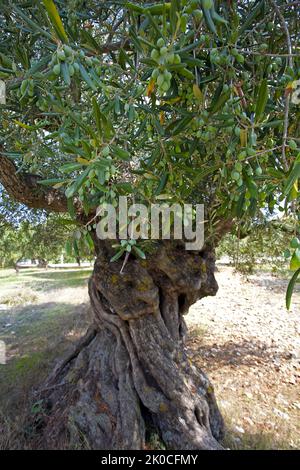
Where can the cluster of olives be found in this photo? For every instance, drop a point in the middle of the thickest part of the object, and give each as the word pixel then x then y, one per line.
pixel 191 7
pixel 95 177
pixel 42 103
pixel 275 65
pixel 207 133
pixel 110 197
pixel 225 59
pixel 287 77
pixel 163 56
pixel 237 175
pixel 238 57
pixel 65 54
pixel 202 130
pixel 262 197
pixel 72 7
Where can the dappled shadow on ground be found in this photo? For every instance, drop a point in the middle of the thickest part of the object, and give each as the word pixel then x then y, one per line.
pixel 36 337
pixel 45 280
pixel 30 331
pixel 273 284
pixel 56 273
pixel 247 353
pixel 253 441
pixel 20 326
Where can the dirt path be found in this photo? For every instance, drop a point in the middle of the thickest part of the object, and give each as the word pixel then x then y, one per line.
pixel 250 347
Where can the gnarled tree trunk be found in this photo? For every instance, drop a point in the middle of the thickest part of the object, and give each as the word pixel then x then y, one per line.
pixel 131 371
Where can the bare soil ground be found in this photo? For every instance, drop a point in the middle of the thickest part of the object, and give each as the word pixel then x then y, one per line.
pixel 244 339
pixel 249 345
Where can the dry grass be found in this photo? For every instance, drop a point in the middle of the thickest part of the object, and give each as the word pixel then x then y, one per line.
pixel 19 297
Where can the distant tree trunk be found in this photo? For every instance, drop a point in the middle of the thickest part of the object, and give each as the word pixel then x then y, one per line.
pixel 43 263
pixel 78 260
pixel 131 372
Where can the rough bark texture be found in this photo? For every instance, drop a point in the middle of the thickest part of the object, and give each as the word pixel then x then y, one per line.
pixel 131 371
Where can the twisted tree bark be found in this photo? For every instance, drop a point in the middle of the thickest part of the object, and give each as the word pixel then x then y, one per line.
pixel 131 370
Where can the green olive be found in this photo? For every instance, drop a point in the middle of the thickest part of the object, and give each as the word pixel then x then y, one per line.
pixel 167 75
pixel 155 74
pixel 165 86
pixel 56 69
pixel 207 4
pixel 242 155
pixel 177 59
pixel 237 131
pixel 105 151
pixel 170 58
pixel 295 242
pixel 160 79
pixel 235 175
pixel 251 152
pixel 160 42
pixel 61 54
pixel 68 50
pixel 71 70
pixel 238 166
pixel 198 14
pixel 154 54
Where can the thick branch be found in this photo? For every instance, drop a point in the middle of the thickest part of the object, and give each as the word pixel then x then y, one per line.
pixel 25 189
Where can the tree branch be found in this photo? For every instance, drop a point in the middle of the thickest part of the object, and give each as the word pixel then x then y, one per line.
pixel 24 188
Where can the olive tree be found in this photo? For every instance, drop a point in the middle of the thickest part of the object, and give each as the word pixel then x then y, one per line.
pixel 186 102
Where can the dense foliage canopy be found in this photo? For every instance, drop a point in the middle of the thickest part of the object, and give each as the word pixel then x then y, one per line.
pixel 41 238
pixel 184 101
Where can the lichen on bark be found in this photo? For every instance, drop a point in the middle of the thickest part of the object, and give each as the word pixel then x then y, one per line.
pixel 132 370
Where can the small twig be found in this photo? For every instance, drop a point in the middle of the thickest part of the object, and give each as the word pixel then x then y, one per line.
pixel 290 4
pixel 127 252
pixel 263 151
pixel 92 220
pixel 125 261
pixel 269 54
pixel 239 89
pixel 257 154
